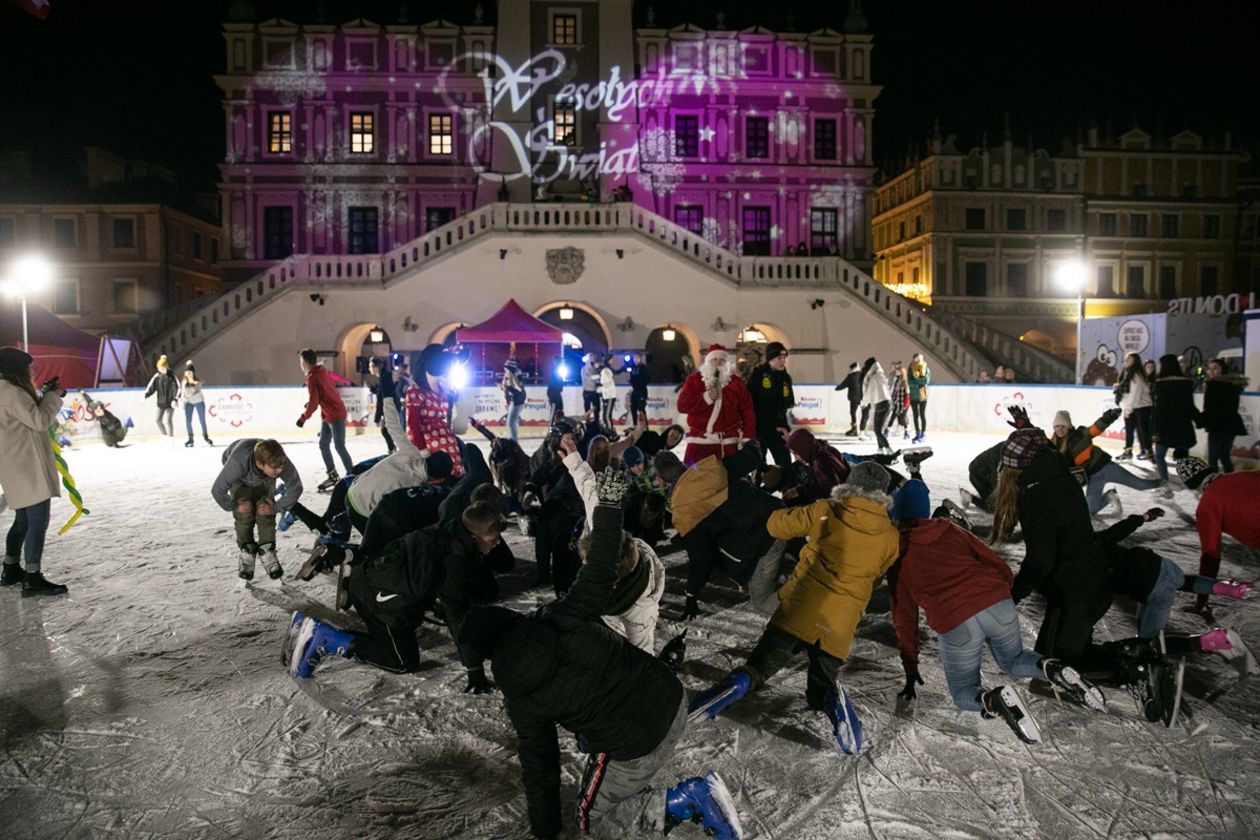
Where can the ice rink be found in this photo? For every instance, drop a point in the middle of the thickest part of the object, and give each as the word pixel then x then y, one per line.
pixel 151 703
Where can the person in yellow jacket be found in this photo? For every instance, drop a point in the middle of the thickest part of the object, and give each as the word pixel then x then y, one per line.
pixel 852 543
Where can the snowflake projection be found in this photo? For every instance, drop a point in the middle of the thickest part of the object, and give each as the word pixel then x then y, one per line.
pixel 290 88
pixel 755 174
pixel 706 134
pixel 776 232
pixel 660 169
pixel 711 231
pixel 786 127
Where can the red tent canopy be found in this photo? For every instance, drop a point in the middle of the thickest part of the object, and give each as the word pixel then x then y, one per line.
pixel 65 351
pixel 511 323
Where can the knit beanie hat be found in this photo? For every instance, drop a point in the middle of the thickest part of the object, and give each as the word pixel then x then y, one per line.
pixel 1022 446
pixel 1193 471
pixel 868 475
pixel 14 361
pixel 439 465
pixel 632 457
pixel 911 501
pixel 774 350
pixel 1062 418
pixel 162 362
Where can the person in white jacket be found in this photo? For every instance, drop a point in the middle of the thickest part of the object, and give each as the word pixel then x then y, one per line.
pixel 1133 395
pixel 404 468
pixel 875 395
pixel 28 472
pixel 607 395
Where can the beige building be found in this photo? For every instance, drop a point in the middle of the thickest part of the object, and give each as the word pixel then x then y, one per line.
pixel 983 234
pixel 120 250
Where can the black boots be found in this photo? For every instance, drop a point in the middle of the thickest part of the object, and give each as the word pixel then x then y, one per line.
pixel 34 583
pixel 11 575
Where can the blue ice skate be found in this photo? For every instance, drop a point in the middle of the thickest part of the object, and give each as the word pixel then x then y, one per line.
pixel 704 799
pixel 290 639
pixel 339 525
pixel 286 521
pixel 315 640
pixel 845 725
pixel 711 703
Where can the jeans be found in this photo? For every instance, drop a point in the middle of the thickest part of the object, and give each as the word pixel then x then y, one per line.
pixel 1112 473
pixel 334 434
pixel 1139 420
pixel 166 420
pixel 201 416
pixel 26 535
pixel 1219 445
pixel 514 420
pixel 1152 613
pixel 1161 456
pixel 962 648
pixel 919 408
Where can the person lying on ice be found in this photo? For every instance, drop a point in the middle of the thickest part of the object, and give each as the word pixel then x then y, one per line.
pixel 721 518
pixel 1223 509
pixel 965 591
pixel 247 486
pixel 818 466
pixel 560 665
pixel 851 544
pixel 452 564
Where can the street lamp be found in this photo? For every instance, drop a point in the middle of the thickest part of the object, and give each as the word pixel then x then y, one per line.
pixel 28 274
pixel 1070 275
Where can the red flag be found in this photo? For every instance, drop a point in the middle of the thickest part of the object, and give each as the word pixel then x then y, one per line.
pixel 38 8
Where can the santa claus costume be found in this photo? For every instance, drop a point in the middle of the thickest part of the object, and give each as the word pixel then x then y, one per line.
pixel 719 409
pixel 427 407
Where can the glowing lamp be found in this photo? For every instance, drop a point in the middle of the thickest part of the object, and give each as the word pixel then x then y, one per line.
pixel 562 370
pixel 1070 275
pixel 459 376
pixel 751 333
pixel 668 334
pixel 377 335
pixel 566 313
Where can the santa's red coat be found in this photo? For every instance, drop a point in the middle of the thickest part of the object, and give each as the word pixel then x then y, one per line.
pixel 718 428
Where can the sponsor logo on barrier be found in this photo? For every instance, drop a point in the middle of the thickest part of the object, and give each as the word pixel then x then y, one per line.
pixel 809 411
pixel 232 410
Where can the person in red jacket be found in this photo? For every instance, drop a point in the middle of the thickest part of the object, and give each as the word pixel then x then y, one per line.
pixel 719 408
pixel 1223 509
pixel 965 590
pixel 332 412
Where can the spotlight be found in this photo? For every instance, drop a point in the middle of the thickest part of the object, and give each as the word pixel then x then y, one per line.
pixel 816 303
pixel 621 254
pixel 503 253
pixel 316 297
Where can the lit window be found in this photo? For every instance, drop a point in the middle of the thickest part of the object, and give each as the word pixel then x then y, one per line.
pixel 687 136
pixel 280 133
pixel 565 118
pixel 441 134
pixel 361 134
pixel 564 29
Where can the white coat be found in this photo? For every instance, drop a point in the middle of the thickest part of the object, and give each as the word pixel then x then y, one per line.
pixel 607 384
pixel 875 386
pixel 28 473
pixel 404 468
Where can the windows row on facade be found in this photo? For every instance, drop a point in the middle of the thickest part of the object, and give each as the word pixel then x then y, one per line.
pixel 759 235
pixel 358 50
pixel 361 233
pixel 756 57
pixel 1112 279
pixel 360 138
pixel 122 235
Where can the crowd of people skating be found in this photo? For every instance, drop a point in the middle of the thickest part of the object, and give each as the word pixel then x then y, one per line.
pixel 806 530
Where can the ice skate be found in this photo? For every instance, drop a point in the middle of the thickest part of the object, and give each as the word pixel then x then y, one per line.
pixel 1079 689
pixel 271 562
pixel 709 704
pixel 1163 491
pixel 1111 504
pixel 966 497
pixel 853 432
pixel 245 564
pixel 1005 702
pixel 34 583
pixel 314 641
pixel 1145 455
pixel 188 443
pixel 329 483
pixel 1126 455
pixel 290 638
pixel 1229 646
pixel 1239 590
pixel 846 727
pixel 206 438
pixel 11 575
pixel 706 800
pixel 914 456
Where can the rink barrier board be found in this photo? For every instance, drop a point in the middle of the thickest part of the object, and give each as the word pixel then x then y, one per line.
pixel 272 411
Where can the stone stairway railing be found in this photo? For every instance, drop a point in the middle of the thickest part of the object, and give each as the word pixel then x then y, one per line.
pixel 313 270
pixel 1032 364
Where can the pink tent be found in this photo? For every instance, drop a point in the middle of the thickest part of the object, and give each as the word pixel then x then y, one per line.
pixel 511 332
pixel 79 359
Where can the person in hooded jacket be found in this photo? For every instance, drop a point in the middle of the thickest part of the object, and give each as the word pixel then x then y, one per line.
pixel 561 666
pixel 322 394
pixel 825 467
pixel 876 397
pixel 770 386
pixel 1076 444
pixel 721 518
pixel 853 384
pixel 1172 413
pixel 964 589
pixel 1220 417
pixel 451 564
pixel 166 387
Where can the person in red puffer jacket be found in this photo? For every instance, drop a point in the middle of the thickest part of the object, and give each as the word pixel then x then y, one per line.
pixel 965 590
pixel 332 411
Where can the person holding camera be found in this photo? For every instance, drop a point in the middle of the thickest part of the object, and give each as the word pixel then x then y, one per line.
pixel 28 472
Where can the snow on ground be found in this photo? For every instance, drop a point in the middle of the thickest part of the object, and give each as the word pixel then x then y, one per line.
pixel 151 703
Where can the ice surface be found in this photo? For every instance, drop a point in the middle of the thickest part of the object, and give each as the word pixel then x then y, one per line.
pixel 151 703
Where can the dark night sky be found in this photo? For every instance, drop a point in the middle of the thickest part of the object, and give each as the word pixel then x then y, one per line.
pixel 134 77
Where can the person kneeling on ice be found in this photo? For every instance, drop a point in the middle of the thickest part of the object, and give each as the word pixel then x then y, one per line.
pixel 852 543
pixel 1223 509
pixel 247 486
pixel 965 590
pixel 561 666
pixel 452 563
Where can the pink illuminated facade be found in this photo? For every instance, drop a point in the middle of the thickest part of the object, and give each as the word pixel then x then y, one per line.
pixel 360 137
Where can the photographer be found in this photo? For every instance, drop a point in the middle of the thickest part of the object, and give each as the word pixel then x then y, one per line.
pixel 28 472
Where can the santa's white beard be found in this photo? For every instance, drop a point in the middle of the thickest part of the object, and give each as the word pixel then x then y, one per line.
pixel 712 376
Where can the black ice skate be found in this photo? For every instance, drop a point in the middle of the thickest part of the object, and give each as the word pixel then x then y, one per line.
pixel 1076 687
pixel 34 583
pixel 329 483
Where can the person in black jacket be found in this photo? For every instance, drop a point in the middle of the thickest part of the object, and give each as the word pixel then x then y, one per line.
pixel 1220 417
pixel 771 388
pixel 450 564
pixel 638 389
pixel 853 384
pixel 1173 413
pixel 166 387
pixel 722 518
pixel 560 665
pixel 384 390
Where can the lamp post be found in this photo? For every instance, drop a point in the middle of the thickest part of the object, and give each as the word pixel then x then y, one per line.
pixel 28 274
pixel 1070 276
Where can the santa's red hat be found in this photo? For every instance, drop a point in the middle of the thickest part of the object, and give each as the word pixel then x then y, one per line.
pixel 714 351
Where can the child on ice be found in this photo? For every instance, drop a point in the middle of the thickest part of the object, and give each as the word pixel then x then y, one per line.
pixel 247 486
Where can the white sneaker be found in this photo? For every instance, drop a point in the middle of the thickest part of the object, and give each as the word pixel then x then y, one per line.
pixel 1111 504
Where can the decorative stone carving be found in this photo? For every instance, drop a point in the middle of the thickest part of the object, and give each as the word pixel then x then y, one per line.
pixel 565 265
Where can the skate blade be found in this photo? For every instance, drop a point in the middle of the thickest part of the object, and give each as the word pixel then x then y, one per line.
pixel 290 639
pixel 1018 718
pixel 1178 681
pixel 847 728
pixel 305 632
pixel 701 711
pixel 726 803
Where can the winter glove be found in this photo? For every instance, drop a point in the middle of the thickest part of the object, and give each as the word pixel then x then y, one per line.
pixel 301 422
pixel 477 682
pixel 1080 475
pixel 1152 514
pixel 675 651
pixel 1019 417
pixel 611 486
pixel 907 693
pixel 691 609
pixel 1110 416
